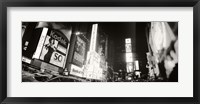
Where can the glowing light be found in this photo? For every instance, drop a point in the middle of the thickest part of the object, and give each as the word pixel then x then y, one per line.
pixel 128 40
pixel 129 78
pixel 136 65
pixel 40 43
pixel 129 67
pixel 128 48
pixel 93 37
pixel 78 33
pixel 129 57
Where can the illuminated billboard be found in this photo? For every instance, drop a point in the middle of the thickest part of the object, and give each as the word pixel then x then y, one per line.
pixel 77 71
pixel 129 67
pixel 136 65
pixel 93 58
pixel 54 49
pixel 128 41
pixel 128 48
pixel 79 52
pixel 77 66
pixel 40 43
pixel 93 37
pixel 93 65
pixel 129 57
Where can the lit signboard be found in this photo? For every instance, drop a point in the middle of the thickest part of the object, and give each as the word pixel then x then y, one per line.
pixel 129 67
pixel 136 65
pixel 79 52
pixel 128 48
pixel 40 43
pixel 128 40
pixel 54 49
pixel 93 58
pixel 93 37
pixel 77 71
pixel 93 65
pixel 26 60
pixel 129 57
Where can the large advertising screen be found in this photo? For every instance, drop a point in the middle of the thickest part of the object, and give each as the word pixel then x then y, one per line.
pixel 129 67
pixel 128 48
pixel 79 52
pixel 54 49
pixel 129 57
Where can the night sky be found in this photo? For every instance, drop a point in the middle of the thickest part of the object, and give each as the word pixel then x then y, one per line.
pixel 118 31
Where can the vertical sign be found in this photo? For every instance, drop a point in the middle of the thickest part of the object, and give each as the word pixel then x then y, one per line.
pixel 78 67
pixel 128 41
pixel 93 37
pixel 136 65
pixel 93 59
pixel 128 48
pixel 129 55
pixel 79 52
pixel 40 43
pixel 129 67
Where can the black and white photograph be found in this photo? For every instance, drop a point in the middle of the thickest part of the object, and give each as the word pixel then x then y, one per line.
pixel 100 51
pixel 94 51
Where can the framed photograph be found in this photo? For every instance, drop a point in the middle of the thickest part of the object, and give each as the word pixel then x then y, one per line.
pixel 99 51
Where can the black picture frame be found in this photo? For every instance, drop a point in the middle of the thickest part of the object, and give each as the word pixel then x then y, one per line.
pixel 99 3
